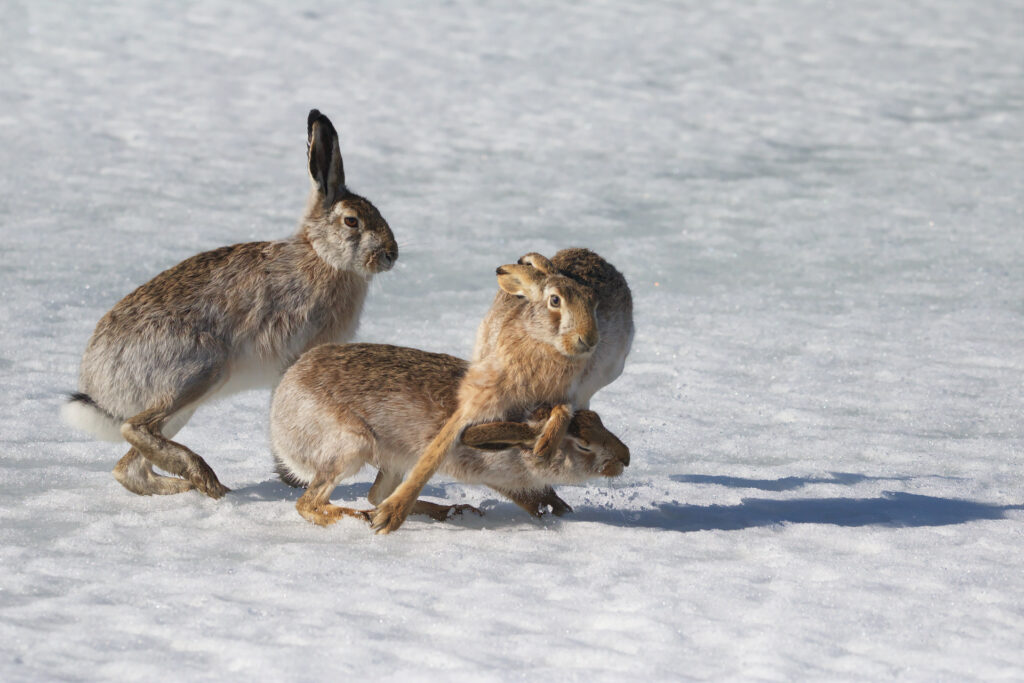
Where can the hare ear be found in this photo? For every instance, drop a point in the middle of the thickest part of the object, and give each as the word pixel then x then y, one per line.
pixel 541 263
pixel 326 169
pixel 520 280
pixel 497 436
pixel 586 424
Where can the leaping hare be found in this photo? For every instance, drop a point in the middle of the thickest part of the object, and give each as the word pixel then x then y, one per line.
pixel 342 406
pixel 538 350
pixel 227 319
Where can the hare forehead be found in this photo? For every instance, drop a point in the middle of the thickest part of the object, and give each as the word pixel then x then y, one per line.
pixel 568 290
pixel 354 205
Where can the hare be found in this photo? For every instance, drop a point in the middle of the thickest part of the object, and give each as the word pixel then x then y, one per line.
pixel 342 406
pixel 614 316
pixel 228 319
pixel 538 348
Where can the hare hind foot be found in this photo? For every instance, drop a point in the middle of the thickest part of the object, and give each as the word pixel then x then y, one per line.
pixel 203 478
pixel 136 474
pixel 143 433
pixel 442 512
pixel 327 514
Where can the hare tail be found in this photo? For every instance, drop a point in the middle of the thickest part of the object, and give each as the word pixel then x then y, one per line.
pixel 82 412
pixel 286 475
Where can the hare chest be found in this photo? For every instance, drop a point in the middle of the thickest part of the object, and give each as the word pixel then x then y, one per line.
pixel 260 359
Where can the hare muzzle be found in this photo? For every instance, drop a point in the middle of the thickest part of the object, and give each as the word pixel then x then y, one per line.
pixel 579 345
pixel 383 258
pixel 584 344
pixel 613 469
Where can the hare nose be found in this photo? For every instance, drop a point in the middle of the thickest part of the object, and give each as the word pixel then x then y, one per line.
pixel 387 257
pixel 587 341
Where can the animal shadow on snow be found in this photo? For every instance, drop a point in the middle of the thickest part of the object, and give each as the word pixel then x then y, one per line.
pixel 346 494
pixel 784 484
pixel 892 509
pixel 497 513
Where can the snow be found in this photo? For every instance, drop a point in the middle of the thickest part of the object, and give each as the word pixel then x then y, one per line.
pixel 818 207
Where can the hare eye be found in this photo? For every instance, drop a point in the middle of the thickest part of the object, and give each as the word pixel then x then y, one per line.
pixel 583 448
pixel 555 301
pixel 351 221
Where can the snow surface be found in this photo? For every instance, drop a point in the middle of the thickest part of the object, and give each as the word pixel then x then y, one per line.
pixel 819 208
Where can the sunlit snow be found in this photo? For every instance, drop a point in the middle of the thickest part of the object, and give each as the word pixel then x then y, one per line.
pixel 820 210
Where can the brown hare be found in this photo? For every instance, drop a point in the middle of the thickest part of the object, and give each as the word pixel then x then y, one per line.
pixel 518 347
pixel 539 349
pixel 344 406
pixel 614 316
pixel 227 319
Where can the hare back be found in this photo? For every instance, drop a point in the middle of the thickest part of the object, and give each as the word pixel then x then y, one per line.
pixel 367 374
pixel 403 395
pixel 249 308
pixel 589 269
pixel 341 406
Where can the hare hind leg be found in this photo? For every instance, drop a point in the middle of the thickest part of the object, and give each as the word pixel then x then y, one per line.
pixel 442 512
pixel 535 501
pixel 136 474
pixel 314 505
pixel 145 433
pixel 383 486
pixel 386 482
pixel 347 445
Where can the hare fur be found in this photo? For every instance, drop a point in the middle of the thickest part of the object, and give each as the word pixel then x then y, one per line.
pixel 539 348
pixel 225 320
pixel 614 315
pixel 344 406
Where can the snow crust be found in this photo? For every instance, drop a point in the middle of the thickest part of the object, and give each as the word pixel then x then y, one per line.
pixel 819 207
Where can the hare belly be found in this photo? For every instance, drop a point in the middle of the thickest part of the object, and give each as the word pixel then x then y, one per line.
pixel 250 373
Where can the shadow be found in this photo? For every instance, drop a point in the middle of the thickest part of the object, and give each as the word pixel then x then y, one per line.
pixel 891 509
pixel 784 484
pixel 275 489
pixel 497 512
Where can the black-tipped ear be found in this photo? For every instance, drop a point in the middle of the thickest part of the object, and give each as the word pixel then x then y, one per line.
pixel 325 165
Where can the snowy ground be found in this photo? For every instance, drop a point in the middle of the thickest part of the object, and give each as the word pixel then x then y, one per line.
pixel 820 211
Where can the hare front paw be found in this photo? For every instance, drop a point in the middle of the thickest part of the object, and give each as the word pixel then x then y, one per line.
pixel 558 506
pixel 389 515
pixel 443 512
pixel 325 515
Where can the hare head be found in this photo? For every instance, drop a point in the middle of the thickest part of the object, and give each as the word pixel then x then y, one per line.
pixel 553 308
pixel 588 444
pixel 589 436
pixel 346 230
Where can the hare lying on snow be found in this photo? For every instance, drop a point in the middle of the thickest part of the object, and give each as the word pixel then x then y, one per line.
pixel 228 319
pixel 538 344
pixel 342 406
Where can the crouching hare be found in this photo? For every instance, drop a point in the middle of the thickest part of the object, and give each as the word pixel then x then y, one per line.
pixel 540 341
pixel 344 406
pixel 540 346
pixel 614 316
pixel 228 319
